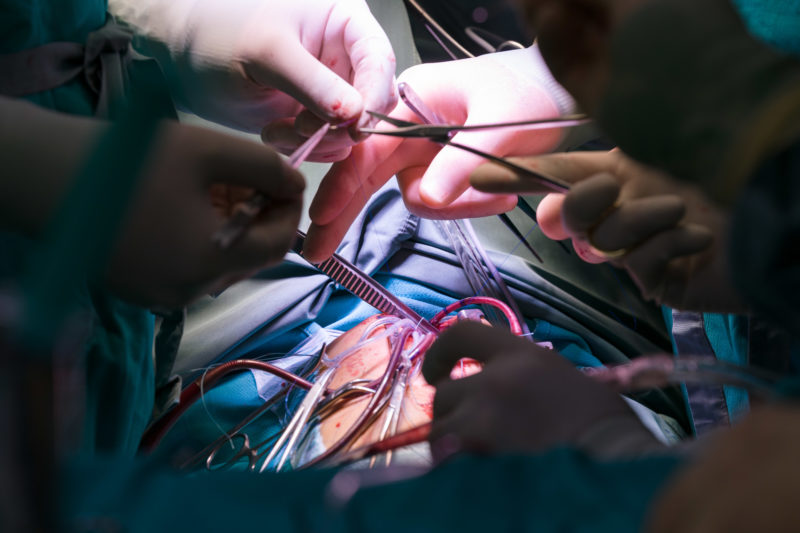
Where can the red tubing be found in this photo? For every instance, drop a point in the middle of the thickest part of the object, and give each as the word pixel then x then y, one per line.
pixel 513 322
pixel 209 380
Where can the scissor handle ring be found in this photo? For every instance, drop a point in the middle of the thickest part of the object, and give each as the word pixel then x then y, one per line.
pixel 242 451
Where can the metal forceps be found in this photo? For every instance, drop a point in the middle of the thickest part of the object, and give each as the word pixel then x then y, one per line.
pixel 367 289
pixel 443 133
pixel 244 214
pixel 428 116
pixel 254 454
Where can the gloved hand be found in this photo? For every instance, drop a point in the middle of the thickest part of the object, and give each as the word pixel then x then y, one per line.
pixel 575 37
pixel 667 234
pixel 164 255
pixel 505 86
pixel 270 66
pixel 744 480
pixel 526 399
pixel 678 84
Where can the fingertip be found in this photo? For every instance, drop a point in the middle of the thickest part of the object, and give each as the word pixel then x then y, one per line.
pixel 698 237
pixel 587 252
pixel 588 201
pixel 316 248
pixel 295 182
pixel 436 192
pixel 347 106
pixel 332 196
pixel 452 345
pixel 548 215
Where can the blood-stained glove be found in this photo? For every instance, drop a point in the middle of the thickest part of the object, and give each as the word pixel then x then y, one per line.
pixel 665 233
pixel 504 86
pixel 281 67
pixel 527 399
pixel 678 84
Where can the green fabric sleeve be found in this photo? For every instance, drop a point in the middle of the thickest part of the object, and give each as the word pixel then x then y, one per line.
pixel 693 93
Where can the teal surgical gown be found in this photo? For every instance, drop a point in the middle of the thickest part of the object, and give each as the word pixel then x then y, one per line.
pixel 561 491
pixel 119 363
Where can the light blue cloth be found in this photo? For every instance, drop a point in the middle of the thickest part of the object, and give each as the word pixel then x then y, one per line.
pixel 267 316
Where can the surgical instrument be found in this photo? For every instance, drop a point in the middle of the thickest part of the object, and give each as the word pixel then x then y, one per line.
pixel 442 134
pixel 245 213
pixel 644 373
pixel 362 285
pixel 429 116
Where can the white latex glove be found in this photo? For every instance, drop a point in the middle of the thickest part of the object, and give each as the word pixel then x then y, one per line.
pixel 259 64
pixel 674 236
pixel 505 86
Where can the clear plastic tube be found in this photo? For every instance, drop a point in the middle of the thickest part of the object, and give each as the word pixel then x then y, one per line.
pixel 392 330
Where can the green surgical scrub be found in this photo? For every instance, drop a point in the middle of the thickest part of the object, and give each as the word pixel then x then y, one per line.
pixel 120 385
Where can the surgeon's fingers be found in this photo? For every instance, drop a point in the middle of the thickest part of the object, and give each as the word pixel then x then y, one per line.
pixel 268 238
pixel 344 192
pixel 467 339
pixel 447 176
pixel 347 178
pixel 447 436
pixel 251 165
pixel 300 74
pixel 286 135
pixel 323 239
pixel 588 202
pixel 636 220
pixel 548 216
pixel 471 203
pixel 449 394
pixel 449 173
pixel 648 263
pixel 570 167
pixel 372 61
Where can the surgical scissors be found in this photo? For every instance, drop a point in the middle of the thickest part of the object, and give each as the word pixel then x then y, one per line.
pixel 443 133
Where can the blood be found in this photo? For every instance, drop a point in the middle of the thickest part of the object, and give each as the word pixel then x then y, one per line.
pixel 337 105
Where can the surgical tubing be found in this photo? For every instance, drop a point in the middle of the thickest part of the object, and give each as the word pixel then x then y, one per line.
pixel 365 415
pixel 209 380
pixel 513 322
pixel 395 325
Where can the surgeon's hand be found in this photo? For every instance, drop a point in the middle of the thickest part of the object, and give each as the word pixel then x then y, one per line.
pixel 681 85
pixel 575 38
pixel 271 66
pixel 746 480
pixel 164 255
pixel 666 234
pixel 505 86
pixel 526 399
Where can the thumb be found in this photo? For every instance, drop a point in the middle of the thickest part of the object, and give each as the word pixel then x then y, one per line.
pixel 248 164
pixel 571 167
pixel 301 75
pixel 448 175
